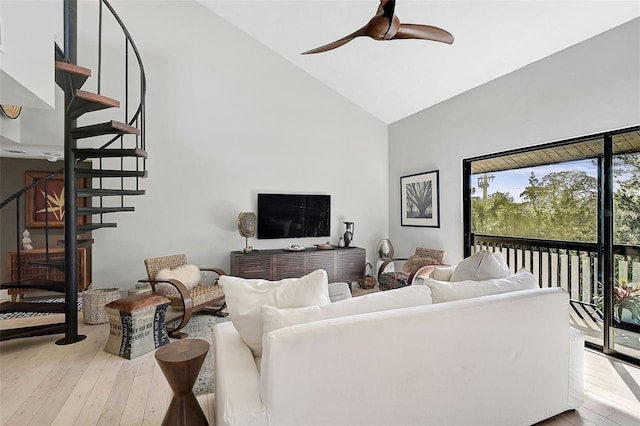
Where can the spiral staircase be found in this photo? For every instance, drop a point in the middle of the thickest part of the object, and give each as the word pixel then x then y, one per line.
pixel 116 152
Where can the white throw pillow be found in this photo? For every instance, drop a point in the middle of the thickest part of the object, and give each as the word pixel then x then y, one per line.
pixel 500 258
pixel 442 291
pixel 189 275
pixel 245 298
pixel 480 267
pixel 275 318
pixel 443 273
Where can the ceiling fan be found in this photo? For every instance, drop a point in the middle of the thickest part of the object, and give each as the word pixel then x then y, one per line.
pixel 385 25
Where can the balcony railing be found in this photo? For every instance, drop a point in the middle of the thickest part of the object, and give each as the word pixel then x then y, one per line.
pixel 570 265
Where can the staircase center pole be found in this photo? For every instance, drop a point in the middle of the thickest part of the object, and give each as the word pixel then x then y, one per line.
pixel 70 213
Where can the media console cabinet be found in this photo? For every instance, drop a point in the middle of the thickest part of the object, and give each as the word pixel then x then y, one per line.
pixel 342 264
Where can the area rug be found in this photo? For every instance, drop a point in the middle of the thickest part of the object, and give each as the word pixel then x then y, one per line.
pixel 14 315
pixel 202 327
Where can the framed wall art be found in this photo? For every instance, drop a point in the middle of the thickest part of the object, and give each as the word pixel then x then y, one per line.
pixel 420 200
pixel 46 201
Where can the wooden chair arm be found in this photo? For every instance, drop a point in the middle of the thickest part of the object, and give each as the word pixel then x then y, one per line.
pixel 420 269
pixel 218 271
pixel 386 263
pixel 185 295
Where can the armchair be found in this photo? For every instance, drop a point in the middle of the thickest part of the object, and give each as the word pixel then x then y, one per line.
pixel 180 282
pixel 420 264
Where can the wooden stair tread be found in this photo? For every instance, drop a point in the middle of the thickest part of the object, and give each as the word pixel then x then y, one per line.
pixel 95 226
pixel 110 153
pixel 90 192
pixel 109 128
pixel 52 307
pixel 76 73
pixel 86 102
pixel 86 211
pixel 38 330
pixel 111 173
pixel 82 242
pixel 53 262
pixel 37 283
pixel 72 68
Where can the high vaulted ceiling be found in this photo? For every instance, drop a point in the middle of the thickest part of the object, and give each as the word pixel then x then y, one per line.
pixel 394 79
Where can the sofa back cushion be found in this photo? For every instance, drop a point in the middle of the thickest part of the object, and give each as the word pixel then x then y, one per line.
pixel 442 273
pixel 245 298
pixel 275 318
pixel 488 357
pixel 444 291
pixel 480 267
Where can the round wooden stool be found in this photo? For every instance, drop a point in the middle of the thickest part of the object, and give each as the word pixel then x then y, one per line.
pixel 181 362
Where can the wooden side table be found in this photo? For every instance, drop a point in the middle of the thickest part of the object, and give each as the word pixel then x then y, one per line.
pixel 180 363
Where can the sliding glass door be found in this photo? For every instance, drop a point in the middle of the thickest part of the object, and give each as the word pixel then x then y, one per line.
pixel 570 213
pixel 625 282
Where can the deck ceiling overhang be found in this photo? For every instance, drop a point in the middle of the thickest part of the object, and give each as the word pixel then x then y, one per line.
pixel 622 143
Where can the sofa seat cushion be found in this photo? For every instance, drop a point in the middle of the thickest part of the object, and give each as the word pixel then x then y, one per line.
pixel 245 298
pixel 480 267
pixel 275 318
pixel 444 291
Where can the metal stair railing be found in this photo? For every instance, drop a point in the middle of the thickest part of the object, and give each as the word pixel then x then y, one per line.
pixel 21 195
pixel 133 117
pixel 137 117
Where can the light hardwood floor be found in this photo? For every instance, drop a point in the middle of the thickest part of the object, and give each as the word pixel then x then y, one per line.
pixel 80 384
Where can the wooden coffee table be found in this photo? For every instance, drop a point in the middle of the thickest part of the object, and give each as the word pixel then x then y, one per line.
pixel 181 362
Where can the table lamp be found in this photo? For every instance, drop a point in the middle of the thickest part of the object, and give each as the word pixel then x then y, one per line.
pixel 385 249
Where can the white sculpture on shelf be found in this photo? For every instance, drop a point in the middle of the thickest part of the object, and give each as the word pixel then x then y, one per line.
pixel 26 241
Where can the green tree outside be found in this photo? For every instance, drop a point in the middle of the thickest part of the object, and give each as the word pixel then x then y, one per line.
pixel 563 206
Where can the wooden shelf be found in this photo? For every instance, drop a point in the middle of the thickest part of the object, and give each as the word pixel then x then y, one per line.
pixel 26 268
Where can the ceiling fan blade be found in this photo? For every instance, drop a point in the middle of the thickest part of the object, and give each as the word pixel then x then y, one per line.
pixel 384 17
pixel 385 25
pixel 344 40
pixel 386 8
pixel 330 46
pixel 423 32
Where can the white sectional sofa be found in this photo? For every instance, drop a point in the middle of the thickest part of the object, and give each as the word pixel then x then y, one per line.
pixel 502 359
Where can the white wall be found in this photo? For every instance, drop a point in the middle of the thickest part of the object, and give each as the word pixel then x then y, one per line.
pixel 228 118
pixel 588 88
pixel 26 52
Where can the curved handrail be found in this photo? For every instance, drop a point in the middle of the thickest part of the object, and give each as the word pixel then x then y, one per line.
pixel 26 188
pixel 143 80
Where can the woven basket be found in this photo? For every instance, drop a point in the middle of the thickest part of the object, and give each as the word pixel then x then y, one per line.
pixel 93 302
pixel 393 280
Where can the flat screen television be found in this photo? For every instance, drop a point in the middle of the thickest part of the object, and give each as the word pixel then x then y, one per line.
pixel 293 216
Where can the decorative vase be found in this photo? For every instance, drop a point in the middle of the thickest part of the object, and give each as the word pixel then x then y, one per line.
pixel 348 234
pixel 385 249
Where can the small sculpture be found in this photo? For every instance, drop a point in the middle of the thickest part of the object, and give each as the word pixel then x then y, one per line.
pixel 26 241
pixel 247 228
